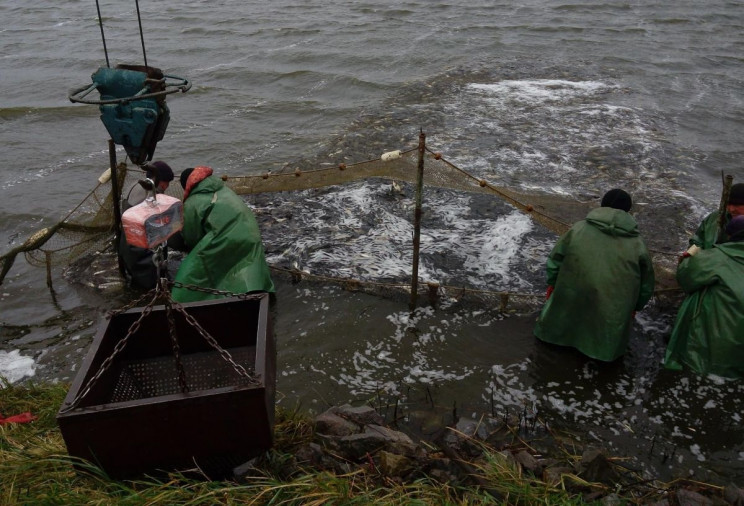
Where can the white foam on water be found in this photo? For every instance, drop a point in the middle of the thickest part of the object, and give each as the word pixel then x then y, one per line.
pixel 409 358
pixel 695 450
pixel 14 366
pixel 553 135
pixel 614 408
pixel 539 91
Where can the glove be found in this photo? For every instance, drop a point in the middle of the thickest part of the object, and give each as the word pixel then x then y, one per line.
pixel 22 418
pixel 549 292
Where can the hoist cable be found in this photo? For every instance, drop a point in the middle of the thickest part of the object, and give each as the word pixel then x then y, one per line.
pixel 100 23
pixel 142 37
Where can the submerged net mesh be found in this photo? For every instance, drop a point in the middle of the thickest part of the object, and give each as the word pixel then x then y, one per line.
pixel 438 172
pixel 90 226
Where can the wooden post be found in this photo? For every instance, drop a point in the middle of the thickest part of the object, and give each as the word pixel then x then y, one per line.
pixel 48 256
pixel 116 198
pixel 433 292
pixel 417 220
pixel 728 180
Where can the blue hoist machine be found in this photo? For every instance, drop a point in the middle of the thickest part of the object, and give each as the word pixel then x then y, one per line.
pixel 132 105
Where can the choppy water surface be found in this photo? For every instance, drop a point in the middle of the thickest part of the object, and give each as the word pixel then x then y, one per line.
pixel 569 98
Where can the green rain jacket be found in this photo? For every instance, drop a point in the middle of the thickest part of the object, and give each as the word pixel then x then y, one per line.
pixel 706 234
pixel 225 246
pixel 708 335
pixel 602 272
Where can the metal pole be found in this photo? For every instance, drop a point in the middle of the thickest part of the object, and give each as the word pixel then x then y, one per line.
pixel 417 220
pixel 116 197
pixel 100 23
pixel 142 36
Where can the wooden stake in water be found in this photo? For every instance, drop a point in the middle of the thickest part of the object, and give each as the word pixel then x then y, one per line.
pixel 728 180
pixel 115 198
pixel 417 220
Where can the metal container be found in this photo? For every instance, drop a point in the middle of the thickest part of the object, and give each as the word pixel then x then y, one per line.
pixel 137 419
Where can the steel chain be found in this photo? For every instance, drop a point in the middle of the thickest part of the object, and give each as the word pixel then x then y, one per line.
pixel 176 348
pixel 223 352
pixel 117 349
pixel 159 291
pixel 214 291
pixel 192 321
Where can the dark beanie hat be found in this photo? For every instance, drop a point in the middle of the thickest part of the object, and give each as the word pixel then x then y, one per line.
pixel 185 177
pixel 736 195
pixel 160 170
pixel 735 228
pixel 617 199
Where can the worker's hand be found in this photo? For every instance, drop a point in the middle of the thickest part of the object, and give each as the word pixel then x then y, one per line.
pixel 632 315
pixel 549 292
pixel 683 256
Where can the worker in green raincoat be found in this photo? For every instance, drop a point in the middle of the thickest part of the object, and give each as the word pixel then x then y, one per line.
pixel 599 275
pixel 222 238
pixel 708 335
pixel 707 233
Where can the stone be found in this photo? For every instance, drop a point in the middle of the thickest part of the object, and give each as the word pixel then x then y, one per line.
pixel 472 428
pixel 527 461
pixel 461 437
pixel 689 498
pixel 331 424
pixel 589 455
pixel 395 441
pixel 391 464
pixel 612 500
pixel 443 476
pixel 554 475
pixel 373 439
pixel 598 470
pixel 309 454
pixel 428 423
pixel 356 446
pixel 508 457
pixel 362 415
pixel 733 495
pixel 246 469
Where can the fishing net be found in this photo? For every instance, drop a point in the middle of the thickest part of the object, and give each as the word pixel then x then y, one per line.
pixel 90 226
pixel 403 166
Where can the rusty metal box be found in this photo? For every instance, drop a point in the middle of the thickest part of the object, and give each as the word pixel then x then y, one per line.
pixel 136 419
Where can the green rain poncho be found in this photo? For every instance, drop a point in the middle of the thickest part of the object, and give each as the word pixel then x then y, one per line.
pixel 708 336
pixel 707 232
pixel 602 272
pixel 225 246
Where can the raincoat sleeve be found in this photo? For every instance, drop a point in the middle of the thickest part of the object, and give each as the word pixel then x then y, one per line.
pixel 707 232
pixel 555 259
pixel 648 279
pixel 195 212
pixel 700 270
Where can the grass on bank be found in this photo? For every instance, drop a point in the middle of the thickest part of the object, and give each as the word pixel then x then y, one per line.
pixel 36 469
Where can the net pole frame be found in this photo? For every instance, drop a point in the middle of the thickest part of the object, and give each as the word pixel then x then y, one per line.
pixel 417 220
pixel 115 198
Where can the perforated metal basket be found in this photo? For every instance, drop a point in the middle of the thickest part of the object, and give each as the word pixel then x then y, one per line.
pixel 137 418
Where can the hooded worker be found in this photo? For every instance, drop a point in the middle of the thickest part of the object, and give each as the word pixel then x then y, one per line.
pixel 707 233
pixel 138 262
pixel 222 237
pixel 708 335
pixel 599 273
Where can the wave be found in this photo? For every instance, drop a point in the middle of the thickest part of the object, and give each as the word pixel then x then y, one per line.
pixel 53 112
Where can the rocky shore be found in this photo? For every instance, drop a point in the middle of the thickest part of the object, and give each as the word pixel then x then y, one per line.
pixel 347 439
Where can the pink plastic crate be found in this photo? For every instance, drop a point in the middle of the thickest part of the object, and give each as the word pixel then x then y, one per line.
pixel 150 223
